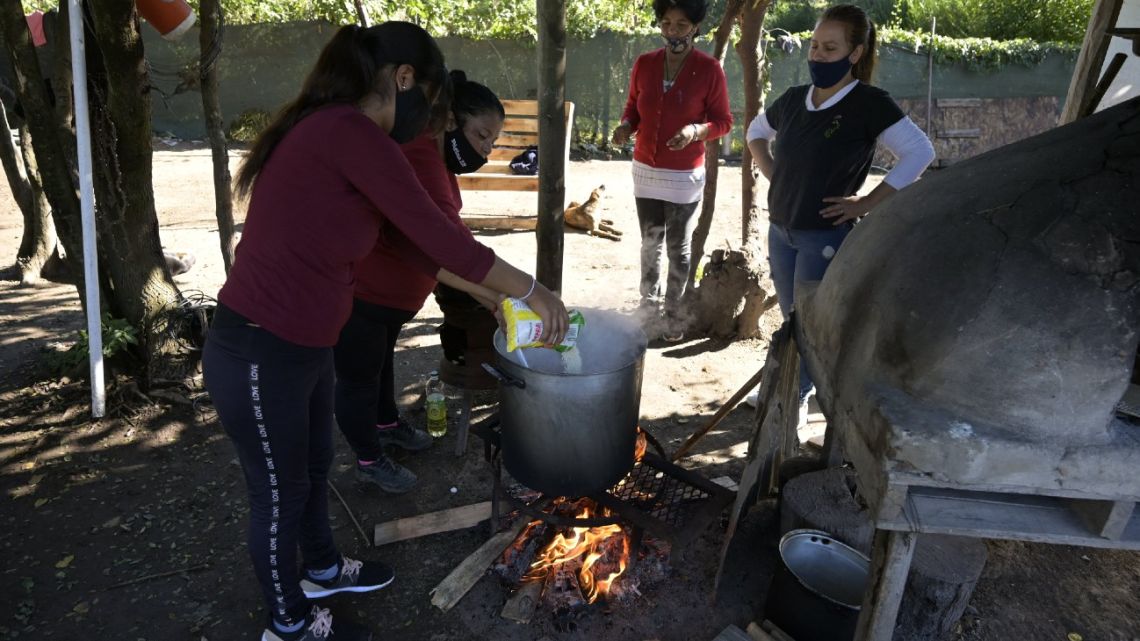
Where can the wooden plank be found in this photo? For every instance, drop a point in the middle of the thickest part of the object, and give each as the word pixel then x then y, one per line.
pixel 959 133
pixel 520 107
pixel 1017 517
pixel 515 124
pixel 773 631
pixel 491 182
pixel 1091 59
pixel 760 448
pixel 757 633
pixel 465 575
pixel 958 103
pixel 522 604
pixel 412 527
pixel 517 223
pixel 496 168
pixel 516 140
pixel 890 566
pixel 506 154
pixel 732 633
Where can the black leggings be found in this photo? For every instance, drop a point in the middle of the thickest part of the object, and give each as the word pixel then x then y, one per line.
pixel 365 382
pixel 275 400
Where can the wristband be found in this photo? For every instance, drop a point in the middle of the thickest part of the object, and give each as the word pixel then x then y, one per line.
pixel 533 282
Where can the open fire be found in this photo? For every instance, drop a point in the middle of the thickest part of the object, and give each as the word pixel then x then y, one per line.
pixel 607 547
pixel 566 569
pixel 597 555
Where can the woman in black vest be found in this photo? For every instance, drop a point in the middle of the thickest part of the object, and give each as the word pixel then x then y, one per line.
pixel 815 144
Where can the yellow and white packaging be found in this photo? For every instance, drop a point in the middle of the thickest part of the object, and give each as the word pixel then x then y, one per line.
pixel 524 326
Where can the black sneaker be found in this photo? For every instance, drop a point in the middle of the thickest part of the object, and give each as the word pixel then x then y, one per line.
pixel 353 576
pixel 386 474
pixel 405 436
pixel 319 626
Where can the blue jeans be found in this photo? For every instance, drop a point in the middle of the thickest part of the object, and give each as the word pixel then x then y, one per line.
pixel 799 255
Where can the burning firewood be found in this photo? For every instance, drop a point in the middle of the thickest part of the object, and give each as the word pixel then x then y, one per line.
pixel 516 560
pixel 562 592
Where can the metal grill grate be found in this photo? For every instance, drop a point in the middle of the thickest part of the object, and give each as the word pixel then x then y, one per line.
pixel 662 496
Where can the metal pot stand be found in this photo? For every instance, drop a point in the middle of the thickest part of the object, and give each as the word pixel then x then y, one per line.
pixel 656 496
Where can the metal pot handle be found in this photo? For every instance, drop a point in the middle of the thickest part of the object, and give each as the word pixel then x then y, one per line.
pixel 503 377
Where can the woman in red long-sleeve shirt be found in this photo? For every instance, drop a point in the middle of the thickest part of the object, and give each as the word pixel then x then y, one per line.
pixel 392 283
pixel 321 179
pixel 678 98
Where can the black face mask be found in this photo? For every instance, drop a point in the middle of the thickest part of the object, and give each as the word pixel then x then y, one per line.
pixel 460 156
pixel 412 114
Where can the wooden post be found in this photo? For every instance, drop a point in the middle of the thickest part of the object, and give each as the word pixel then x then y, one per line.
pixel 1091 59
pixel 552 128
pixel 890 565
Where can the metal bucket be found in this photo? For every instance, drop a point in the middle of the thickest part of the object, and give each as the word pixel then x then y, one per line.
pixel 817 590
pixel 573 434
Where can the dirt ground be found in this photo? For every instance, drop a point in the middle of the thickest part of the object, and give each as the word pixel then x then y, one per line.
pixel 101 516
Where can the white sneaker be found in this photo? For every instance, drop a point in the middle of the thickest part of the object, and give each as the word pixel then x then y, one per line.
pixel 753 397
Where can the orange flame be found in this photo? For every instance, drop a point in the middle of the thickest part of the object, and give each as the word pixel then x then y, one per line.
pixel 604 546
pixel 640 447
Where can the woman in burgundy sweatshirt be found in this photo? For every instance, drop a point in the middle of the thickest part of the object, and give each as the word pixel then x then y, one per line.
pixel 678 99
pixel 321 180
pixel 393 282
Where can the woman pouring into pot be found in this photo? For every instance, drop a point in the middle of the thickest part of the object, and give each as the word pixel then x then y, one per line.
pixel 322 179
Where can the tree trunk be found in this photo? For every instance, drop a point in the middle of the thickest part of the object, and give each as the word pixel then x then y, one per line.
pixel 136 278
pixel 361 13
pixel 39 240
pixel 734 291
pixel 49 151
pixel 751 60
pixel 712 160
pixel 551 137
pixel 210 14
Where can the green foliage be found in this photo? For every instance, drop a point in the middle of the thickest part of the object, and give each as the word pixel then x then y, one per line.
pixel 248 125
pixel 979 54
pixel 1040 20
pixel 800 15
pixel 118 336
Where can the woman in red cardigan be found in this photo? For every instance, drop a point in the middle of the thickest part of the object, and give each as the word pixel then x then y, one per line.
pixel 678 99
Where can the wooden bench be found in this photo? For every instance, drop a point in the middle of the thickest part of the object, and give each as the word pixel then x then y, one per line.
pixel 520 130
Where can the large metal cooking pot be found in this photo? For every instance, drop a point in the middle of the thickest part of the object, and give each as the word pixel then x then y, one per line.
pixel 573 434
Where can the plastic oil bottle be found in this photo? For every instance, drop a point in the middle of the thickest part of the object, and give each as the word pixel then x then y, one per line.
pixel 436 405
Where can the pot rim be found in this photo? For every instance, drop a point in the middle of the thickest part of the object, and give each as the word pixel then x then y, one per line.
pixel 503 357
pixel 831 540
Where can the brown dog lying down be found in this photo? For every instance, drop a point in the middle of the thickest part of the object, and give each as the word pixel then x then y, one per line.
pixel 582 217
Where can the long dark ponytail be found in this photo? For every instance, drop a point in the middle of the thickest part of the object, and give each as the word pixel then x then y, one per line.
pixel 348 68
pixel 860 31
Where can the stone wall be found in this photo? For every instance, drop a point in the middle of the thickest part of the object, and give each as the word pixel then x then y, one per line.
pixel 966 127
